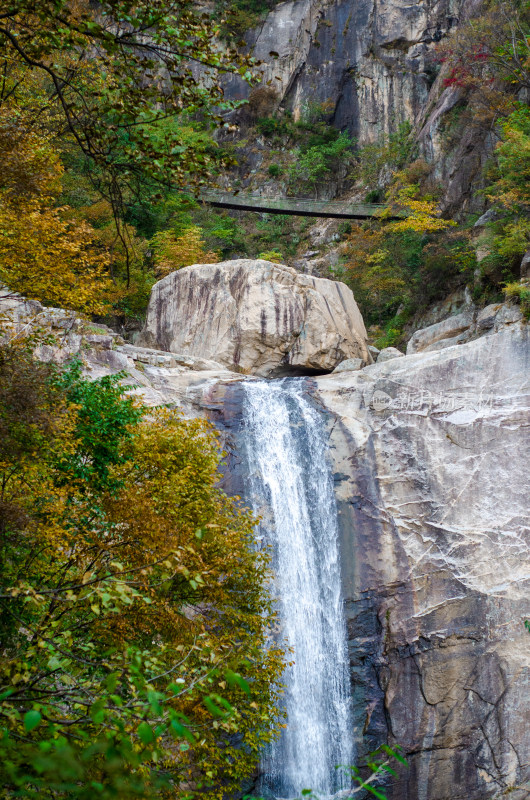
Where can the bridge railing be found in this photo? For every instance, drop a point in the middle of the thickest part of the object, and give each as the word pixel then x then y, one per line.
pixel 292 205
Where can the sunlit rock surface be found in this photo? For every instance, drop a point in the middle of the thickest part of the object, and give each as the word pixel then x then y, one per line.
pixel 256 317
pixel 430 456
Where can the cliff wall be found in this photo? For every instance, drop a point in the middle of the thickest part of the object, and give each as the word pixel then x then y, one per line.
pixel 371 64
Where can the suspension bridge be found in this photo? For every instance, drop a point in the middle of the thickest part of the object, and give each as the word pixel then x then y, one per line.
pixel 296 206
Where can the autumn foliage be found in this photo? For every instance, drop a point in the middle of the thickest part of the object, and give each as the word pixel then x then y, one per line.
pixel 44 253
pixel 173 252
pixel 134 608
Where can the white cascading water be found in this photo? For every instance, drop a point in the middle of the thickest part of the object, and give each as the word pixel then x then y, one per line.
pixel 292 488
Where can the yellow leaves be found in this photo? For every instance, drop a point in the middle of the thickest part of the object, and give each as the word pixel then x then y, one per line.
pixel 47 258
pixel 44 253
pixel 125 567
pixel 421 214
pixel 30 167
pixel 173 252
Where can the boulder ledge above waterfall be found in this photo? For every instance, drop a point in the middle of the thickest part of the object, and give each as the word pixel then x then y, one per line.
pixel 256 317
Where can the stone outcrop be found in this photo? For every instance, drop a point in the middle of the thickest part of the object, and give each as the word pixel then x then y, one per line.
pixel 463 327
pixel 256 317
pixel 388 353
pixel 349 364
pixel 154 376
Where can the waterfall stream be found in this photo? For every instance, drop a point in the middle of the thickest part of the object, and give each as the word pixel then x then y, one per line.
pixel 291 486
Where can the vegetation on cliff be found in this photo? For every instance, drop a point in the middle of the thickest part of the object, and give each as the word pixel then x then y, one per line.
pixel 105 117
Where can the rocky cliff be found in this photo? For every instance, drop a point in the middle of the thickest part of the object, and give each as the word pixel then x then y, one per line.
pixel 431 473
pixel 429 455
pixel 371 64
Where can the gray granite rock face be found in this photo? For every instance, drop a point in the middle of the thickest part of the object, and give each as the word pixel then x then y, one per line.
pixel 463 327
pixel 349 364
pixel 256 317
pixel 430 454
pixel 372 66
pixel 388 353
pixel 367 61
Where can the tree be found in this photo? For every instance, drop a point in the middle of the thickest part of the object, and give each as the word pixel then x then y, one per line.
pixel 44 252
pixel 173 252
pixel 488 58
pixel 113 79
pixel 510 188
pixel 134 608
pixel 419 213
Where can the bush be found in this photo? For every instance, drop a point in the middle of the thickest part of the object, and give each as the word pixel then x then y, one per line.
pixel 388 155
pixel 272 255
pixel 275 170
pixel 273 127
pixel 239 16
pixel 319 161
pixel 520 293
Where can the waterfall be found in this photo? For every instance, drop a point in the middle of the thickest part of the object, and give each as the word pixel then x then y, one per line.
pixel 291 486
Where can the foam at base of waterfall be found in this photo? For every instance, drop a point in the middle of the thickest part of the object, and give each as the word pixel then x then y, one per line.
pixel 290 485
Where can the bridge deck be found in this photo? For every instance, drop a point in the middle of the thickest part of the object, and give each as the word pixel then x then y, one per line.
pixel 295 206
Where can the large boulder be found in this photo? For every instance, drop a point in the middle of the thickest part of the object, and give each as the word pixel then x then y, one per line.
pixel 256 317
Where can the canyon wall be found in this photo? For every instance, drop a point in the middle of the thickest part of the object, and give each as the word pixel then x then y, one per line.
pixel 430 460
pixel 371 64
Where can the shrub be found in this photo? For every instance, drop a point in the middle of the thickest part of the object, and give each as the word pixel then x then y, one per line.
pixel 273 127
pixel 272 255
pixel 520 293
pixel 387 155
pixel 275 170
pixel 316 163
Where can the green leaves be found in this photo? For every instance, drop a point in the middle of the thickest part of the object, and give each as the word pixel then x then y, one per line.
pixel 145 733
pixel 234 679
pixel 31 720
pixel 156 676
pixel 218 706
pixel 105 421
pixel 377 764
pixel 182 731
pixel 393 752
